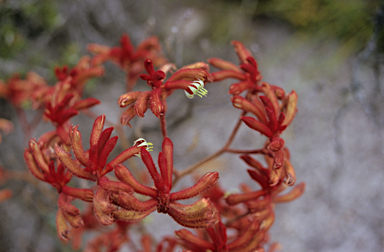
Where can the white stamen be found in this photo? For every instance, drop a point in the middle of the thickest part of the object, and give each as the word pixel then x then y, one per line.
pixel 141 142
pixel 197 88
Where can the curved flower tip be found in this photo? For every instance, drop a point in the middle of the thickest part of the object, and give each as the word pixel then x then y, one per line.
pixel 196 88
pixel 242 52
pixel 141 142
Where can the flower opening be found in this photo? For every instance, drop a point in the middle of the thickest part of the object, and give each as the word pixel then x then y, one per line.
pixel 141 142
pixel 197 88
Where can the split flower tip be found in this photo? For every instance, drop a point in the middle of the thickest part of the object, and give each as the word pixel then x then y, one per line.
pixel 141 142
pixel 196 88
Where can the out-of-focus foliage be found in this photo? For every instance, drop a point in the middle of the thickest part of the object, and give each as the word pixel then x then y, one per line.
pixel 24 20
pixel 350 21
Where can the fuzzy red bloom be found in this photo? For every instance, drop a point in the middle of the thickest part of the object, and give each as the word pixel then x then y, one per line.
pixel 43 168
pixel 140 101
pixel 63 105
pixel 127 57
pixel 249 240
pixel 248 73
pixel 19 91
pixel 199 214
pixel 80 74
pixel 272 182
pixel 95 159
pixel 271 119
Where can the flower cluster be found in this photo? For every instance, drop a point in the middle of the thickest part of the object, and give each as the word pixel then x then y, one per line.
pixel 120 195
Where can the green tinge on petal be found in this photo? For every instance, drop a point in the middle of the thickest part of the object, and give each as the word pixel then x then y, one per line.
pixel 201 214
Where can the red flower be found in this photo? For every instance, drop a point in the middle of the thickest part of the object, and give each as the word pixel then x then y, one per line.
pixel 64 105
pixel 129 58
pixel 249 240
pixel 190 78
pixel 95 159
pixel 199 214
pixel 43 168
pixel 248 73
pixel 271 182
pixel 80 74
pixel 19 91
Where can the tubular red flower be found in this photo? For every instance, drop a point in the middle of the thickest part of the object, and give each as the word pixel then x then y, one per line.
pixel 124 175
pixel 256 125
pixel 206 182
pixel 199 214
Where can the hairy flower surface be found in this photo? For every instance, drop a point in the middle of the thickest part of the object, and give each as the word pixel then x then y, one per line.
pixel 249 240
pixel 199 214
pixel 80 74
pixel 95 159
pixel 155 99
pixel 248 73
pixel 128 58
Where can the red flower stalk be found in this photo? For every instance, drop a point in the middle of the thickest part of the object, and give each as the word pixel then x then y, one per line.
pixel 199 214
pixel 95 159
pixel 127 57
pixel 190 78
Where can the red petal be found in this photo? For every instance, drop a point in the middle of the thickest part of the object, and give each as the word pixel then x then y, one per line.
pixel 237 198
pixel 147 159
pixel 194 240
pixel 168 154
pixel 97 129
pixel 86 103
pixel 125 176
pixel 157 106
pixel 223 64
pixel 141 103
pixel 77 146
pixel 105 153
pixel 71 165
pixel 256 125
pixel 204 183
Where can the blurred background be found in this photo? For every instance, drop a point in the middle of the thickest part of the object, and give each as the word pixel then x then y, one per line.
pixel 329 51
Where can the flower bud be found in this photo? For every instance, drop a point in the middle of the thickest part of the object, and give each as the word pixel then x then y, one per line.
pixel 242 103
pixel 204 183
pixel 223 64
pixel 128 115
pixel 201 214
pixel 296 192
pixel 128 98
pixel 62 226
pixel 291 108
pixel 141 103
